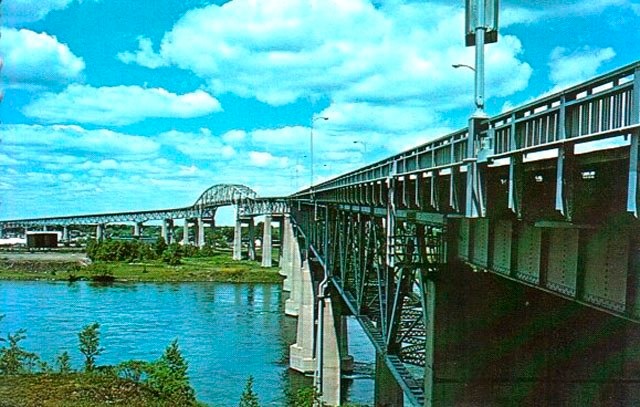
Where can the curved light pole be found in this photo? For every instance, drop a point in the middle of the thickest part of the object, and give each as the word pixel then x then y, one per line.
pixel 364 144
pixel 313 120
pixel 463 66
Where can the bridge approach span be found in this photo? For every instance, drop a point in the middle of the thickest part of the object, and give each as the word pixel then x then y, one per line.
pixel 205 206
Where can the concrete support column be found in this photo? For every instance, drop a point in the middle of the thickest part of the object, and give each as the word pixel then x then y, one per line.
pixel 346 360
pixel 252 240
pixel 301 356
pixel 237 240
pixel 65 233
pixel 387 392
pixel 200 234
pixel 167 227
pixel 99 232
pixel 286 250
pixel 185 233
pixel 292 305
pixel 45 228
pixel 281 232
pixel 329 357
pixel 137 230
pixel 266 243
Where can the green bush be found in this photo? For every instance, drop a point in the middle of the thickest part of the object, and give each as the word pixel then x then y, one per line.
pixel 89 339
pixel 249 398
pixel 168 376
pixel 13 358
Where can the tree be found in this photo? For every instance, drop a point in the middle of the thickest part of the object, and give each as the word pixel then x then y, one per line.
pixel 168 376
pixel 90 345
pixel 14 359
pixel 249 398
pixel 159 246
pixel 63 362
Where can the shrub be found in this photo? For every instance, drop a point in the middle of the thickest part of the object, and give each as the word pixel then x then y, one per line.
pixel 249 398
pixel 90 345
pixel 168 376
pixel 14 359
pixel 63 362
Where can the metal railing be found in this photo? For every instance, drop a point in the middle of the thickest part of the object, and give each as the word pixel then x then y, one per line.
pixel 603 107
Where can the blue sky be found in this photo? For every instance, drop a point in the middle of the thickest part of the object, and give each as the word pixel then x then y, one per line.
pixel 118 105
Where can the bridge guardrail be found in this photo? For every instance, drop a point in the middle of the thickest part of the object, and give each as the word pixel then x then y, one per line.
pixel 603 107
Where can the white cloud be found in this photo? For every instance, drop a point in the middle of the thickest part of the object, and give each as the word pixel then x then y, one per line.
pixel 571 67
pixel 284 50
pixel 37 58
pixel 22 11
pixel 144 56
pixel 118 105
pixel 533 11
pixel 30 141
pixel 234 136
pixel 199 146
pixel 260 158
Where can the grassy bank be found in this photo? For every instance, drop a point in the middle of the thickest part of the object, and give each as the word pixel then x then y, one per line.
pixel 74 390
pixel 217 267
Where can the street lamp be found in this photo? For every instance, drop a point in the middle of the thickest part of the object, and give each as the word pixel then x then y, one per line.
pixel 313 120
pixel 464 66
pixel 364 144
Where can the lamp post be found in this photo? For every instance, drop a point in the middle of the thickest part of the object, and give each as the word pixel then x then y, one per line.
pixel 481 27
pixel 364 145
pixel 313 120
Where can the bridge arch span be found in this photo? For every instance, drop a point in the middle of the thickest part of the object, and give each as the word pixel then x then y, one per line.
pixel 225 194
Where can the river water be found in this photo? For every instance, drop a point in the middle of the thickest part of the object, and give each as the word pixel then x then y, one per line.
pixel 225 331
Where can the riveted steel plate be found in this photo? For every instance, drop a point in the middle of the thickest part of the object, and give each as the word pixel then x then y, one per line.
pixel 463 239
pixel 563 260
pixel 529 238
pixel 606 268
pixel 502 246
pixel 481 242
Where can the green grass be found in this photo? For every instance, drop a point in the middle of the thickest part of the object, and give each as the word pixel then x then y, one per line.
pixel 74 390
pixel 220 268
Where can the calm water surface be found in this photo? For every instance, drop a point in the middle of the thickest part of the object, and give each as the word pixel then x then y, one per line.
pixel 226 331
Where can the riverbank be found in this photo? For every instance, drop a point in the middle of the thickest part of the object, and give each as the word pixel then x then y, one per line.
pixel 75 389
pixel 73 266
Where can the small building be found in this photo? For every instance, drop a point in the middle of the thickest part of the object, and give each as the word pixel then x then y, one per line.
pixel 42 240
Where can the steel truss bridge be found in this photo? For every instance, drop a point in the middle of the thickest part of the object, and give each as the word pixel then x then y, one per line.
pixel 545 196
pixel 469 260
pixel 205 206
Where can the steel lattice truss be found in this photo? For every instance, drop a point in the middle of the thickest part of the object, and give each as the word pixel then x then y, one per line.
pixel 205 206
pixel 261 206
pixel 225 194
pixel 382 268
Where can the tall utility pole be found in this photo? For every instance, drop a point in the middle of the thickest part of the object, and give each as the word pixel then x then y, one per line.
pixel 313 121
pixel 481 27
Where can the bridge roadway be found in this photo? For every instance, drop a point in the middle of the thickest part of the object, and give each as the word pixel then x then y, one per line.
pixel 497 265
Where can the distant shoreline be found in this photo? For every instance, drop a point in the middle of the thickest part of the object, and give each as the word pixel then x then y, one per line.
pixel 74 266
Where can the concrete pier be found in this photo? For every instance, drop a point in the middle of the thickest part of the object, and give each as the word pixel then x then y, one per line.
pixel 100 232
pixel 301 353
pixel 329 356
pixel 200 232
pixel 286 249
pixel 167 228
pixel 292 305
pixel 185 232
pixel 252 239
pixel 266 243
pixel 137 230
pixel 237 240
